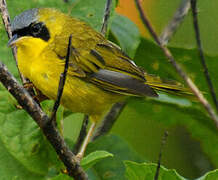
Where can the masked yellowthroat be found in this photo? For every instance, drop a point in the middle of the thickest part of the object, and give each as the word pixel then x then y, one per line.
pixel 99 73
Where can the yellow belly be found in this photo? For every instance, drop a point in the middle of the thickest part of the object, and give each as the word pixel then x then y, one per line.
pixel 78 95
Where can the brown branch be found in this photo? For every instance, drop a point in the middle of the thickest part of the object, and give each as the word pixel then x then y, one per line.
pixel 106 17
pixel 164 139
pixel 109 120
pixel 62 81
pixel 176 21
pixel 178 68
pixel 201 54
pixel 7 23
pixel 48 127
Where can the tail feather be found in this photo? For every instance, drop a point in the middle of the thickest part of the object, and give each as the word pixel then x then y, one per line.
pixel 168 86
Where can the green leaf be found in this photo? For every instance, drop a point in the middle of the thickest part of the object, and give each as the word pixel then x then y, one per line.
pixel 92 14
pixel 112 168
pixel 23 141
pixel 136 171
pixel 92 158
pixel 212 175
pixel 141 171
pixel 11 168
pixel 126 33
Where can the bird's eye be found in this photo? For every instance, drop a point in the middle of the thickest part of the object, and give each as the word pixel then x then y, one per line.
pixel 36 28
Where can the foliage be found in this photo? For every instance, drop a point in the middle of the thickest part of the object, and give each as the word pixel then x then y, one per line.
pixel 25 153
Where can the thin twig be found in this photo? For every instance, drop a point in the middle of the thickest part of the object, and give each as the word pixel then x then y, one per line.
pixel 178 68
pixel 82 134
pixel 176 21
pixel 117 108
pixel 106 17
pixel 47 126
pixel 201 54
pixel 7 23
pixel 62 81
pixel 104 123
pixel 109 120
pixel 163 142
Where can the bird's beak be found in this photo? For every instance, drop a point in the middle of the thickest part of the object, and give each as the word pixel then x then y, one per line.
pixel 13 40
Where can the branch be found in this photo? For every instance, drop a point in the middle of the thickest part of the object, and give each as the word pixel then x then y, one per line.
pixel 201 54
pixel 178 68
pixel 109 120
pixel 7 23
pixel 62 81
pixel 48 127
pixel 164 139
pixel 106 17
pixel 176 21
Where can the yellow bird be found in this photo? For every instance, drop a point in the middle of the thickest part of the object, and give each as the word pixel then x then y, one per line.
pixel 99 73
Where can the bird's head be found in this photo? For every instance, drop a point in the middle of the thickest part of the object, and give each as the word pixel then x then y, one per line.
pixel 36 27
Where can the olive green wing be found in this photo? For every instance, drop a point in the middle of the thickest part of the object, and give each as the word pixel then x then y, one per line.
pixel 109 68
pixel 102 63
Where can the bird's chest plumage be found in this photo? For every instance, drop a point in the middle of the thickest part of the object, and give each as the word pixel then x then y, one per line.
pixel 44 71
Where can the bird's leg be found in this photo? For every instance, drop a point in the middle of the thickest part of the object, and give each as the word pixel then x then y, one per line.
pixel 28 85
pixel 86 141
pixel 39 97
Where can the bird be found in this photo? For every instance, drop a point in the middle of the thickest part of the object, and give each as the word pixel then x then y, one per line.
pixel 100 74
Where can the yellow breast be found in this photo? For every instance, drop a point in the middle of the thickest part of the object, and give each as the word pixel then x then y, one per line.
pixel 42 66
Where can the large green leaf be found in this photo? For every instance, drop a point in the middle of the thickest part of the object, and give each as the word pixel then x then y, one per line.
pixel 137 171
pixel 23 142
pixel 144 171
pixel 129 40
pixel 11 168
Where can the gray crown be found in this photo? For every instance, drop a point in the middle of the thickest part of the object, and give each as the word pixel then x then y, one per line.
pixel 24 19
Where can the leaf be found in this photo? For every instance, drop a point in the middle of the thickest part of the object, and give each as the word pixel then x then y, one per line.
pixel 112 168
pixel 212 175
pixel 126 33
pixel 11 168
pixel 92 158
pixel 141 171
pixel 23 141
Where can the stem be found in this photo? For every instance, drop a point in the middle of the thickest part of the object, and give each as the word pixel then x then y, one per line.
pixel 178 68
pixel 62 81
pixel 201 54
pixel 176 21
